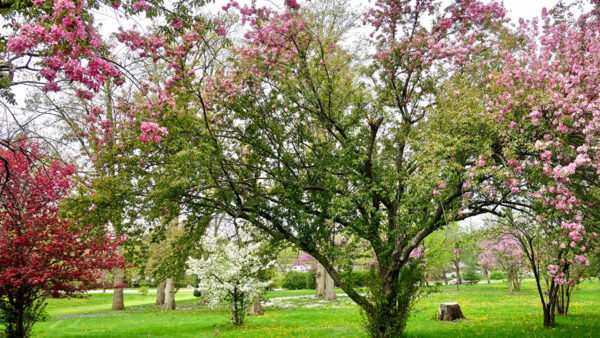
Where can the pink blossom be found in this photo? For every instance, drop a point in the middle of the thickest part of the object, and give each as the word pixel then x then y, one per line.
pixel 481 162
pixel 581 260
pixel 293 4
pixel 418 252
pixel 177 24
pixel 139 5
pixel 152 132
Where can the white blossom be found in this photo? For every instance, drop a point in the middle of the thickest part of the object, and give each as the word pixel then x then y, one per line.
pixel 229 272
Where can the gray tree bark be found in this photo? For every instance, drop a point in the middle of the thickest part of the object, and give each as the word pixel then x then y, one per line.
pixel 160 293
pixel 118 280
pixel 320 281
pixel 329 288
pixel 257 308
pixel 169 295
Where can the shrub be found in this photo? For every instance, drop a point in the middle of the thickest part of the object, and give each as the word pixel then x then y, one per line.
pixel 310 280
pixel 276 281
pixel 144 290
pixel 356 279
pixel 197 293
pixel 497 275
pixel 471 276
pixel 294 280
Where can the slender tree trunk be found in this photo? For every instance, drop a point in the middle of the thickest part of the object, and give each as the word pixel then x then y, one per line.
pixel 329 288
pixel 560 300
pixel 568 301
pixel 563 299
pixel 510 284
pixel 118 281
pixel 160 293
pixel 458 279
pixel 169 295
pixel 320 281
pixel 549 315
pixel 238 307
pixel 20 321
pixel 487 274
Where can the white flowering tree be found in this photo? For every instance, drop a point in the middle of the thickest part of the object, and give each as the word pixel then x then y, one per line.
pixel 229 273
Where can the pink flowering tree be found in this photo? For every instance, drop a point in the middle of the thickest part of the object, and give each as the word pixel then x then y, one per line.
pixel 557 270
pixel 305 259
pixel 504 253
pixel 546 97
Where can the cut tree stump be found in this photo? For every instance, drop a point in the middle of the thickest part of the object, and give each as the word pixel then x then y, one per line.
pixel 450 312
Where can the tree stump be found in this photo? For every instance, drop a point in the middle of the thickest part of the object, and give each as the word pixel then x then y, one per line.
pixel 450 312
pixel 256 309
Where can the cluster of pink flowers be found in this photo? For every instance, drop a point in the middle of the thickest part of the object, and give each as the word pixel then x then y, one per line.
pixel 304 259
pixel 66 38
pixel 449 43
pixel 152 132
pixel 418 252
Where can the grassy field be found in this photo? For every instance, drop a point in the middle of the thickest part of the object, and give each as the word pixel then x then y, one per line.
pixel 490 312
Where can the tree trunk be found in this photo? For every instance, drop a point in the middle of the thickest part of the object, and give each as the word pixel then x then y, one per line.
pixel 548 316
pixel 257 308
pixel 160 293
pixel 487 273
pixel 445 277
pixel 458 279
pixel 516 284
pixel 387 317
pixel 320 281
pixel 238 308
pixel 20 322
pixel 118 281
pixel 169 295
pixel 510 284
pixel 329 288
pixel 450 312
pixel 563 299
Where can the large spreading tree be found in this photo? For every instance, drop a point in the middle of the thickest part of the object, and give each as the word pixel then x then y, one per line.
pixel 295 136
pixel 310 142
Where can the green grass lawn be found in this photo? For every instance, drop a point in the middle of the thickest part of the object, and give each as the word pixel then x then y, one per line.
pixel 490 312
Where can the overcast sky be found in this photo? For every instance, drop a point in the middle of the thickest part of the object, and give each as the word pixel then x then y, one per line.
pixel 527 8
